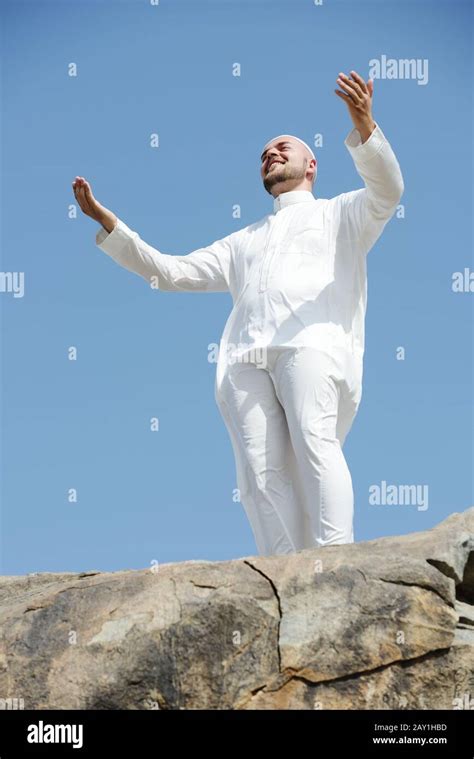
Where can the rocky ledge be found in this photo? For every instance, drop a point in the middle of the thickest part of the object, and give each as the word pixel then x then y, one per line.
pixel 383 624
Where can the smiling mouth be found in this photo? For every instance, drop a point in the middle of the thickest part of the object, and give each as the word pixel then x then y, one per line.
pixel 273 164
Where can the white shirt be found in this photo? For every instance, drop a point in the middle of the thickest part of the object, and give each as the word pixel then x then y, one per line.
pixel 298 275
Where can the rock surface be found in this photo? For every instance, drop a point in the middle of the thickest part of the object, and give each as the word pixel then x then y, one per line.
pixel 384 624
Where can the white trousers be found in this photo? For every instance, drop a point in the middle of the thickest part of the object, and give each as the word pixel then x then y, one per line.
pixel 287 423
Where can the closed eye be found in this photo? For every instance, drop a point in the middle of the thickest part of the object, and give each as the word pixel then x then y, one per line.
pixel 287 147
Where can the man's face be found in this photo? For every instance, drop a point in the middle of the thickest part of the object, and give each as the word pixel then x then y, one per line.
pixel 284 165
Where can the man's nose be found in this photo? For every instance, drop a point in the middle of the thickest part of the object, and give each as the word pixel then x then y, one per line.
pixel 270 156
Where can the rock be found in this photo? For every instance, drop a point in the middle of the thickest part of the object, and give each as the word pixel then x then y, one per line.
pixel 384 624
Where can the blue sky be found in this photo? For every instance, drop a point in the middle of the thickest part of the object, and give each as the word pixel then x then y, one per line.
pixel 165 496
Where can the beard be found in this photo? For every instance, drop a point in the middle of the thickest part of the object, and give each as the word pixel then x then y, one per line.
pixel 282 173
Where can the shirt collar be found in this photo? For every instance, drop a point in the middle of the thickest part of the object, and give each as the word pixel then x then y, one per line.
pixel 293 196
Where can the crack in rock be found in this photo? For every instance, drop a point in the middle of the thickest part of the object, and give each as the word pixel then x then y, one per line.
pixel 352 676
pixel 177 598
pixel 199 585
pixel 417 585
pixel 279 606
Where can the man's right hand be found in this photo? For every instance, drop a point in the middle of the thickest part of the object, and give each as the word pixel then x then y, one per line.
pixel 90 206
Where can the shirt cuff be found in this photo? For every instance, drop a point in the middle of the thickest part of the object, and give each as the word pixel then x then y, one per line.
pixel 113 242
pixel 365 151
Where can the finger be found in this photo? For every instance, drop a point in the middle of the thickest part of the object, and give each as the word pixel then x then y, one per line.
pixel 359 80
pixel 84 195
pixel 349 91
pixel 353 85
pixel 82 198
pixel 343 96
pixel 90 200
pixel 349 83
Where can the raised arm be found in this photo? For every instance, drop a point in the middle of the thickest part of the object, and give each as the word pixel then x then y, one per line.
pixel 365 212
pixel 204 269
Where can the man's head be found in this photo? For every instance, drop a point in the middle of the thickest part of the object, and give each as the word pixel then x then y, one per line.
pixel 288 163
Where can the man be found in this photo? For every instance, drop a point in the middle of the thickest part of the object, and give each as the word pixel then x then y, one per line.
pixel 299 288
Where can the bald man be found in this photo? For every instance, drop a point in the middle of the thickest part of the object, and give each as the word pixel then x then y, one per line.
pixel 289 372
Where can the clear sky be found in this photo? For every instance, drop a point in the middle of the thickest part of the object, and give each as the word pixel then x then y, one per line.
pixel 140 69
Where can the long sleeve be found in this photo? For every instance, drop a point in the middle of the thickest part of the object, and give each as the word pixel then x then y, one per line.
pixel 364 213
pixel 204 269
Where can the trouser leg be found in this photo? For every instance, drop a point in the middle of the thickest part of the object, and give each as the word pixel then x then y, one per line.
pixel 260 438
pixel 309 383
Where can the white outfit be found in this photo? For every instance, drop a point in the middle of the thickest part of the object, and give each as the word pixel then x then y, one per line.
pixel 299 287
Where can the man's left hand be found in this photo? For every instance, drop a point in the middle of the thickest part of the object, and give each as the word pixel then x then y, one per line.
pixel 357 95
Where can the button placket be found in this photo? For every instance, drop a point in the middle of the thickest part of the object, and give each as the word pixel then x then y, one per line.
pixel 279 229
